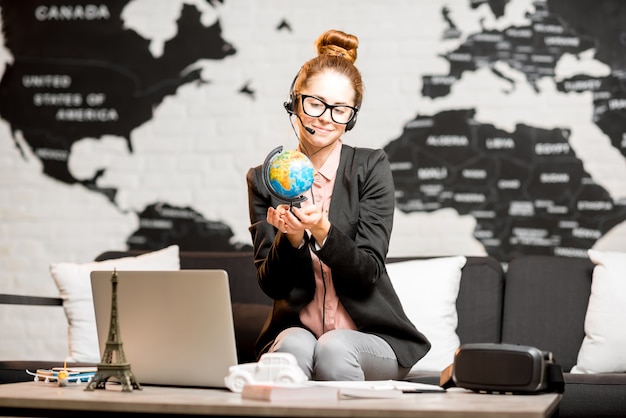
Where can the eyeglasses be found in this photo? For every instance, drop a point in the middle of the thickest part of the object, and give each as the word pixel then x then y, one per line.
pixel 316 107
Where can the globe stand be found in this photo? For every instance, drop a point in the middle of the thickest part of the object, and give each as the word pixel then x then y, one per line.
pixel 295 201
pixel 114 364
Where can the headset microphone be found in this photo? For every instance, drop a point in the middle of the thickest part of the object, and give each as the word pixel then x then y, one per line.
pixel 289 108
pixel 308 129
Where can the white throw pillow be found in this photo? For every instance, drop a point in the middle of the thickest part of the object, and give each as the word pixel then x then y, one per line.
pixel 428 290
pixel 604 347
pixel 74 284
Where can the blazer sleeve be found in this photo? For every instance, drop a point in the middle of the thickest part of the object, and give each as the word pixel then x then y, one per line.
pixel 282 270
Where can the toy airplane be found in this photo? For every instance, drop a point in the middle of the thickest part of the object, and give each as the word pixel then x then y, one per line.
pixel 62 376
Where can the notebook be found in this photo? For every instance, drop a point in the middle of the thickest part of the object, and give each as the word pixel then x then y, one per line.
pixel 176 327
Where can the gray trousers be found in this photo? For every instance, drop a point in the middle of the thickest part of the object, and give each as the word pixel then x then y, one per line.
pixel 340 355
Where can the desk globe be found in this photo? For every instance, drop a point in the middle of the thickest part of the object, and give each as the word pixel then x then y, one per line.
pixel 288 175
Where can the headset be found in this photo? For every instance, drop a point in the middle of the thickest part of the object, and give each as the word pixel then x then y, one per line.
pixel 290 103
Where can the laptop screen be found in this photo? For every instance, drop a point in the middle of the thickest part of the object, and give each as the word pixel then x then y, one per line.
pixel 176 326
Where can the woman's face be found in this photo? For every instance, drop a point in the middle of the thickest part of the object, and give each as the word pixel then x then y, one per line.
pixel 333 89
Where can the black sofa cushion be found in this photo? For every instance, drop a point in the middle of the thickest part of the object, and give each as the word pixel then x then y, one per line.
pixel 545 303
pixel 248 319
pixel 594 395
pixel 480 301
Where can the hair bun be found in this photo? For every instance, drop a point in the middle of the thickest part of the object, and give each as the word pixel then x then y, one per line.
pixel 337 43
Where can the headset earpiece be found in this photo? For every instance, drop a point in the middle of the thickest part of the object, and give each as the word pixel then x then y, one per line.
pixel 352 122
pixel 289 104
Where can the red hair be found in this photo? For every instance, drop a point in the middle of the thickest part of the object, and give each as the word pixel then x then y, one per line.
pixel 336 51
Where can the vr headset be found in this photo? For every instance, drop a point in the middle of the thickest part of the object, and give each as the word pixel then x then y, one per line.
pixel 503 368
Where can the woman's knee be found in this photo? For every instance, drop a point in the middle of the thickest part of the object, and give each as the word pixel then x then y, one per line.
pixel 294 340
pixel 336 358
pixel 300 343
pixel 351 355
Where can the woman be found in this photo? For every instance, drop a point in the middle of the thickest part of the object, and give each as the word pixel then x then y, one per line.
pixel 323 263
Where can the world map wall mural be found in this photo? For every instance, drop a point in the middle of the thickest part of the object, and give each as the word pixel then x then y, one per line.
pixel 82 73
pixel 527 189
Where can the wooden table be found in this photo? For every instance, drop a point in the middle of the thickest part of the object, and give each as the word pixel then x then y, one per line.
pixel 30 398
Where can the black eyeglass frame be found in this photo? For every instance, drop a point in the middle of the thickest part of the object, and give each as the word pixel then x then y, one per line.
pixel 328 106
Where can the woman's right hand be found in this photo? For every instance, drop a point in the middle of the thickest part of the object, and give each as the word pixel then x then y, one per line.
pixel 286 222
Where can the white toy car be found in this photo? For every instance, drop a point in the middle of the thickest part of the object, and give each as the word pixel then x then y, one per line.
pixel 271 368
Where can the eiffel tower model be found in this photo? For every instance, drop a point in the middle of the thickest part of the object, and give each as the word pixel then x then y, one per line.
pixel 114 364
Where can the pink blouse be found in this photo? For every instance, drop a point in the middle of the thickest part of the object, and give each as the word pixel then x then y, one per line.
pixel 325 312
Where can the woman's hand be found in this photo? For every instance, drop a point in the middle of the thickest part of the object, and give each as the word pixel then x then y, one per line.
pixel 312 219
pixel 276 217
pixel 294 221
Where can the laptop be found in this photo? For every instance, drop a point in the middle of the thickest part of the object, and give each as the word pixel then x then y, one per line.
pixel 176 327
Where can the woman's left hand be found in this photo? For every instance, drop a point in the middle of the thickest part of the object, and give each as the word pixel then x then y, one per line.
pixel 303 218
pixel 311 218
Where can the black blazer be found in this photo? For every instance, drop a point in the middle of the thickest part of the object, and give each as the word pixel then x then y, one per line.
pixel 361 216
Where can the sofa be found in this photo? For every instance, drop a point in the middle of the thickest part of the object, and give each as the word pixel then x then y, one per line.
pixel 538 301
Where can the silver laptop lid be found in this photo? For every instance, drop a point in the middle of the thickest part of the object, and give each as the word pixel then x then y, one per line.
pixel 176 326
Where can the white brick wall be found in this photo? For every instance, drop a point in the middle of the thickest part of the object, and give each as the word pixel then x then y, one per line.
pixel 198 146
